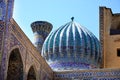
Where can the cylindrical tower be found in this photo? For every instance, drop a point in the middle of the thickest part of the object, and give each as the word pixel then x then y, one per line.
pixel 41 29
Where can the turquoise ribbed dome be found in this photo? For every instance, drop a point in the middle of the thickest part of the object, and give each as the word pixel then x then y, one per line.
pixel 72 47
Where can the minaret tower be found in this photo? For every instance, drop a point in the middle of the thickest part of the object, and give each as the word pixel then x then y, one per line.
pixel 41 29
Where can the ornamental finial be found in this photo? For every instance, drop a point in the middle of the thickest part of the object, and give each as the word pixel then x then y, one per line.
pixel 72 18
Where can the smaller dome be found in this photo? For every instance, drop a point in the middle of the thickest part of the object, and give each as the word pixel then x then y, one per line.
pixel 72 47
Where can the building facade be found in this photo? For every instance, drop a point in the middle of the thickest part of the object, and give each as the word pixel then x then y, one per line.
pixel 21 60
pixel 109 35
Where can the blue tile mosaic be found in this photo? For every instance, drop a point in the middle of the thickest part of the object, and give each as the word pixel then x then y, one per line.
pixel 72 47
pixel 96 74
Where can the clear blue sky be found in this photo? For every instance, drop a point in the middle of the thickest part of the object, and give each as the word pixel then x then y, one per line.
pixel 59 12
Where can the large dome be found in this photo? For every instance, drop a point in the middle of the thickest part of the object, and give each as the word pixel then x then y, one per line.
pixel 72 47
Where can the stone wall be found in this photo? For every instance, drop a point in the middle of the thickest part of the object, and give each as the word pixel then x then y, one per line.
pixel 110 37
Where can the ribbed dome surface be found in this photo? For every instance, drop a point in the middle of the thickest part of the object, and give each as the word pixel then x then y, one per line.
pixel 72 47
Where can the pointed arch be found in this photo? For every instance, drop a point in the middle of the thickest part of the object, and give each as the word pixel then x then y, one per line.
pixel 31 74
pixel 15 66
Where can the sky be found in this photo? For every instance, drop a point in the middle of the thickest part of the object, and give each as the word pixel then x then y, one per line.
pixel 59 12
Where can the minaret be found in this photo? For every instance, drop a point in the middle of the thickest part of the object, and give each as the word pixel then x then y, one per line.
pixel 41 29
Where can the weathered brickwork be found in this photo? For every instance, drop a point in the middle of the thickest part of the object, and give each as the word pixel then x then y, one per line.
pixel 109 36
pixel 101 19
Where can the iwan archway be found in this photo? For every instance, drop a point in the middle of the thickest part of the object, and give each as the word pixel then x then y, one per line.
pixel 31 74
pixel 15 66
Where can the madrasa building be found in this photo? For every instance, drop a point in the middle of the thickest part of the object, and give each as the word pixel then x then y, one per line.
pixel 71 52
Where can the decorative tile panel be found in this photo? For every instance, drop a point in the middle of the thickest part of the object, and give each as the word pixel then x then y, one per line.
pixel 98 74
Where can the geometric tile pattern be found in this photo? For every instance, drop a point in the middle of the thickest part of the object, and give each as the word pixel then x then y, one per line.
pixel 101 74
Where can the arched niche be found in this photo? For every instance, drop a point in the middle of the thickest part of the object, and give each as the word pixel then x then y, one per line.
pixel 31 74
pixel 15 66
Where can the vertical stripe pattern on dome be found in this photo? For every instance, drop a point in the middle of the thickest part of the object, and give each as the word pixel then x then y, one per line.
pixel 72 46
pixel 62 46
